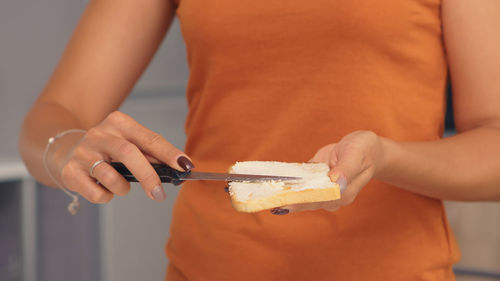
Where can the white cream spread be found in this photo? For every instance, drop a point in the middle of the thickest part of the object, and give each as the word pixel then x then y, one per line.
pixel 314 176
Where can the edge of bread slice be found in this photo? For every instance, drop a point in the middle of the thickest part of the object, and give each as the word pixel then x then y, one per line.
pixel 250 197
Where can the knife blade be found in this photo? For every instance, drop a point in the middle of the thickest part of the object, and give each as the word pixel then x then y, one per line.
pixel 170 175
pixel 235 177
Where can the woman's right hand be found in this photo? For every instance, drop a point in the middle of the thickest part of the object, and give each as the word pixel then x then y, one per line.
pixel 119 138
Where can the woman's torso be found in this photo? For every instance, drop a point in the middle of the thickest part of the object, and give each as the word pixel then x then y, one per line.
pixel 276 80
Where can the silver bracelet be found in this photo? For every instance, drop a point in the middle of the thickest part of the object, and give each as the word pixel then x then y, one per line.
pixel 74 205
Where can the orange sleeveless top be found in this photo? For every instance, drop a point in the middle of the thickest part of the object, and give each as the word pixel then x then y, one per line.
pixel 277 80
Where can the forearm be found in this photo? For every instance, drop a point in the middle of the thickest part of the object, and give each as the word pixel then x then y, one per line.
pixel 44 121
pixel 109 49
pixel 463 167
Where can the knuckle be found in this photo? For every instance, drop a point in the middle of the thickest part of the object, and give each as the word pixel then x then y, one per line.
pixel 126 148
pixel 117 117
pixel 92 200
pixel 109 177
pixel 93 133
pixel 98 196
pixel 153 139
pixel 68 171
pixel 150 178
pixel 106 198
pixel 93 197
pixel 369 133
pixel 80 152
pixel 123 190
pixel 366 133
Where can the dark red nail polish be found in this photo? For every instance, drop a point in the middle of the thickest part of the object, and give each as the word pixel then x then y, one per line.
pixel 185 163
pixel 279 211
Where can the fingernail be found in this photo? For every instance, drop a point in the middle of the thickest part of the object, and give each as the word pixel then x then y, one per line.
pixel 342 182
pixel 226 189
pixel 279 211
pixel 185 163
pixel 158 193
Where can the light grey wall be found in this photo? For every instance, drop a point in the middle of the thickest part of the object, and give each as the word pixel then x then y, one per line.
pixel 33 35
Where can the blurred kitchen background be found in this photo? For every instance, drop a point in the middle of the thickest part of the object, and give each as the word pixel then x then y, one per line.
pixel 124 240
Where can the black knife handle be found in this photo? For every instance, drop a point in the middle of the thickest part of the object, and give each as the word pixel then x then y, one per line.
pixel 165 172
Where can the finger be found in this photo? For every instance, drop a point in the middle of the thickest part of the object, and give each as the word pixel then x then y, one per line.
pixel 150 142
pixel 347 173
pixel 127 153
pixel 111 179
pixel 157 146
pixel 300 208
pixel 356 184
pixel 88 188
pixel 152 159
pixel 344 170
pixel 326 205
pixel 86 156
pixel 332 208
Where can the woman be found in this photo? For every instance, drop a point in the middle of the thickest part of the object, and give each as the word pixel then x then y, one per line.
pixel 356 84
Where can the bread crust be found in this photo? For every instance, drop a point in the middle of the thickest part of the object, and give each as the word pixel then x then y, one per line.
pixel 287 197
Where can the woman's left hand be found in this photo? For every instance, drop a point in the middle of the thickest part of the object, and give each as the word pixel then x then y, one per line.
pixel 353 162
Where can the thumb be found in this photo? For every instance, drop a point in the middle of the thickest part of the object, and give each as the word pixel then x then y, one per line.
pixel 343 172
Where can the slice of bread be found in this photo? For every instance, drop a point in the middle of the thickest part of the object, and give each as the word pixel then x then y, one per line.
pixel 249 197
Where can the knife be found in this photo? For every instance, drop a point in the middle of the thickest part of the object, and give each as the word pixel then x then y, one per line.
pixel 171 175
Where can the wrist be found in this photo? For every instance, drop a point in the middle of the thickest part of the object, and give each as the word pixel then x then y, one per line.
pixel 387 149
pixel 61 150
pixel 58 151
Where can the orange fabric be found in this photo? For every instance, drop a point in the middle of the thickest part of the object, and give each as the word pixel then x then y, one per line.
pixel 276 80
